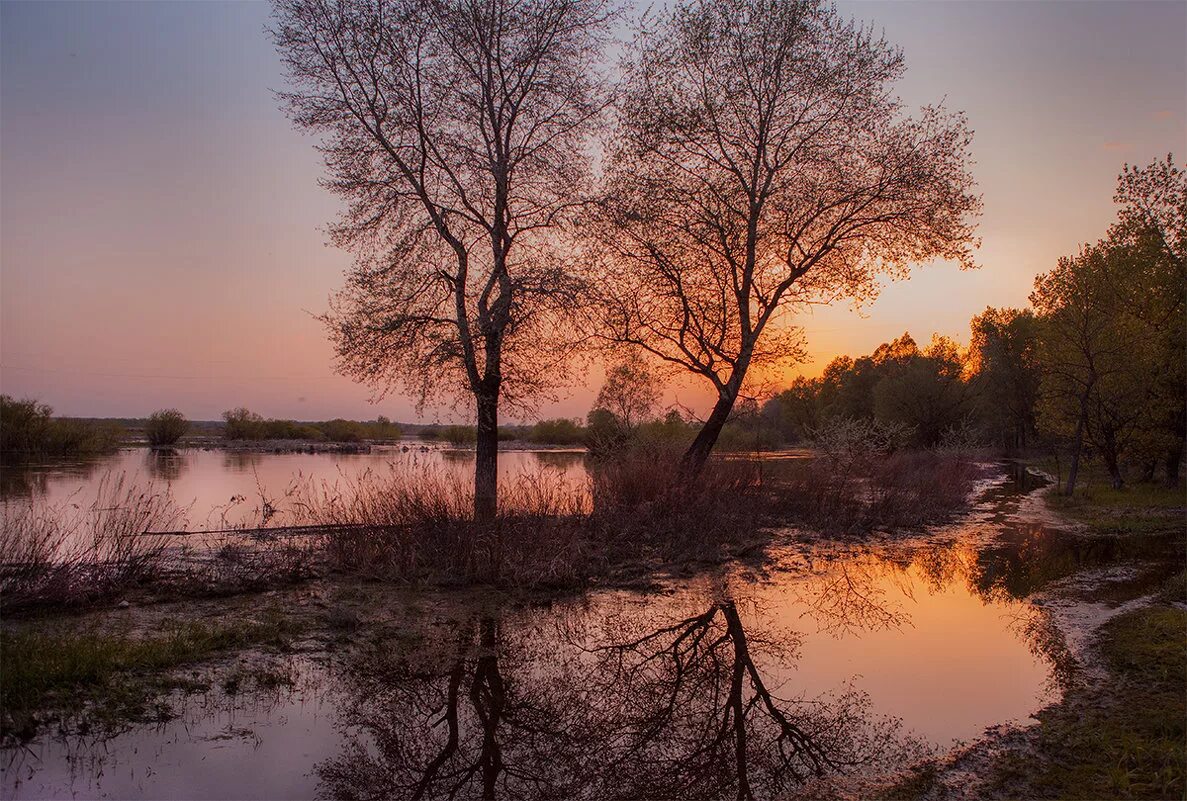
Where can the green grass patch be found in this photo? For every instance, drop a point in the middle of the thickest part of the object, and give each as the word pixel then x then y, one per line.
pixel 1126 739
pixel 45 672
pixel 1136 508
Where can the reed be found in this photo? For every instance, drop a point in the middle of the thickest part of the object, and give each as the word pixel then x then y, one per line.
pixel 69 554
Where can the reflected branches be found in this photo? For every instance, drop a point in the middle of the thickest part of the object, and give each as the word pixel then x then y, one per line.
pixel 684 710
pixel 697 717
pixel 850 596
pixel 473 722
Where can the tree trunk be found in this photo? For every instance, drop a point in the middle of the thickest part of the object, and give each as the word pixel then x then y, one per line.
pixel 486 467
pixel 1114 468
pixel 1074 468
pixel 1112 460
pixel 1149 468
pixel 693 461
pixel 1174 454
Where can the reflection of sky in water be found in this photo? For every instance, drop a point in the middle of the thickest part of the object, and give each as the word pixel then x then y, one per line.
pixel 209 481
pixel 926 633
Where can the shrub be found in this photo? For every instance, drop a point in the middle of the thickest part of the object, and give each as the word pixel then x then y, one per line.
pixel 290 429
pixel 383 428
pixel 28 428
pixel 66 555
pixel 608 438
pixel 24 425
pixel 556 432
pixel 750 435
pixel 888 491
pixel 166 428
pixel 459 435
pixel 242 423
pixel 641 503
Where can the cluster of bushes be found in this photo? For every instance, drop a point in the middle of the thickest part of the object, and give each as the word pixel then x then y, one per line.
pixel 1096 368
pixel 606 434
pixel 166 428
pixel 29 429
pixel 244 424
pixel 560 431
pixel 453 434
pixel 925 390
pixel 548 532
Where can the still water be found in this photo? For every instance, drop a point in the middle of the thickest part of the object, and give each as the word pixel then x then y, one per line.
pixel 829 658
pixel 228 487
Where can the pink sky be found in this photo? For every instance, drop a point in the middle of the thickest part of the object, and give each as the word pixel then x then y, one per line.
pixel 161 237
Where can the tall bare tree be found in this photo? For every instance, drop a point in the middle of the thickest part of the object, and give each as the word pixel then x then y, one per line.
pixel 761 163
pixel 455 130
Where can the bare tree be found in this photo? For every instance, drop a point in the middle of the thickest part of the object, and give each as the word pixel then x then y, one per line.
pixel 761 163
pixel 456 131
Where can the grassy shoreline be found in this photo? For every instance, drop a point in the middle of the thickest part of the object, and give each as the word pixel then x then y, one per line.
pixel 1120 729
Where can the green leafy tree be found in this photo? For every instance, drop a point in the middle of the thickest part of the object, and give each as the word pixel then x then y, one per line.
pixel 1153 219
pixel 1096 359
pixel 922 391
pixel 1005 373
pixel 165 428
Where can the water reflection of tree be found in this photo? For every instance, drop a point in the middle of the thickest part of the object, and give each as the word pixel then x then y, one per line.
pixel 18 481
pixel 476 723
pixel 21 480
pixel 561 460
pixel 241 461
pixel 1025 558
pixel 848 595
pixel 682 710
pixel 699 719
pixel 164 465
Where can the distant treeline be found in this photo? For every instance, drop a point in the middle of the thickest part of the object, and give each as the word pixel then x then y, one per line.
pixel 29 429
pixel 602 426
pixel 243 424
pixel 930 394
pixel 1095 369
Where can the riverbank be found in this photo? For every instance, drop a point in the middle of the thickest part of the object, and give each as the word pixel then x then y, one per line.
pixel 1120 728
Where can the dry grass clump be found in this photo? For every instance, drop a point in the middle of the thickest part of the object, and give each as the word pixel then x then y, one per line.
pixel 69 555
pixel 402 524
pixel 549 531
pixel 65 554
pixel 896 491
pixel 641 505
pixel 862 479
pixel 238 563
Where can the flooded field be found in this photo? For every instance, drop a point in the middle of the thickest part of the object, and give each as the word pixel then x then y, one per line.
pixel 826 659
pixel 228 487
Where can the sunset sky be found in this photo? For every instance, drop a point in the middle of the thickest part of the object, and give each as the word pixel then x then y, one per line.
pixel 161 225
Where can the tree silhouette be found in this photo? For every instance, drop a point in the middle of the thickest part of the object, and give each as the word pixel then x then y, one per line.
pixel 525 712
pixel 455 129
pixel 760 163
